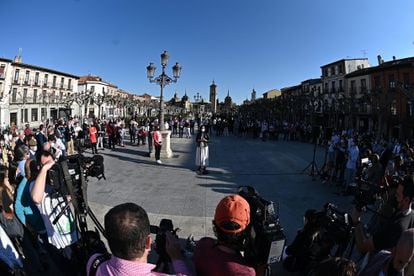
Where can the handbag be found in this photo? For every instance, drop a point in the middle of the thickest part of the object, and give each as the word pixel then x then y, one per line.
pixel 11 225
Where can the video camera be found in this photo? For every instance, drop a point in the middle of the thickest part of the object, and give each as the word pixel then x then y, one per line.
pixel 69 177
pixel 265 243
pixel 366 193
pixel 166 225
pixel 326 233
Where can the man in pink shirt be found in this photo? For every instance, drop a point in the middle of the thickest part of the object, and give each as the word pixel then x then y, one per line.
pixel 128 233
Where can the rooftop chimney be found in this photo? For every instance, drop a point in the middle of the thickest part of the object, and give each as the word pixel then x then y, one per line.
pixel 379 59
pixel 18 59
pixel 393 58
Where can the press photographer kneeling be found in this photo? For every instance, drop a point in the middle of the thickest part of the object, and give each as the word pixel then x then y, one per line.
pixel 387 235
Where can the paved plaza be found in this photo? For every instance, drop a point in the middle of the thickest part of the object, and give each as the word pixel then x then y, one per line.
pixel 173 190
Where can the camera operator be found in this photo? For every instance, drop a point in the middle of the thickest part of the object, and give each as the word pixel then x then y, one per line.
pixel 128 233
pixel 375 171
pixel 223 256
pixel 62 234
pixel 387 235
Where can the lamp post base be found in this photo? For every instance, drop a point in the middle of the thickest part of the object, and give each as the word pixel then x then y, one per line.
pixel 166 151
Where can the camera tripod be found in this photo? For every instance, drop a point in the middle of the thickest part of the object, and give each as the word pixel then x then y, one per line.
pixel 312 167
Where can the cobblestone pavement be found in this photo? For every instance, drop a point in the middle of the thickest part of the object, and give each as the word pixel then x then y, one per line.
pixel 173 190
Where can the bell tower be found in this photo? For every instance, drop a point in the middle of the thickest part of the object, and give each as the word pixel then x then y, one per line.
pixel 213 97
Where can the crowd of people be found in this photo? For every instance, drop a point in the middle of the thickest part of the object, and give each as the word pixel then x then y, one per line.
pixel 36 225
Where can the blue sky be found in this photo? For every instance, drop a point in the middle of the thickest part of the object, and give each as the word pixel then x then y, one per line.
pixel 241 44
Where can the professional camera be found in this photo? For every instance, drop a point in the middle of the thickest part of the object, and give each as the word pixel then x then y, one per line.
pixel 366 193
pixel 166 225
pixel 69 177
pixel 267 239
pixel 326 233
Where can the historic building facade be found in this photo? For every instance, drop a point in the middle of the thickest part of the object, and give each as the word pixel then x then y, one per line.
pixel 33 94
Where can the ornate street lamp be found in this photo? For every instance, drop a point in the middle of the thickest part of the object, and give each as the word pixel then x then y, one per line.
pixel 163 80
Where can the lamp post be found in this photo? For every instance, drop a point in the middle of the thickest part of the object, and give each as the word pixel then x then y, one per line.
pixel 163 80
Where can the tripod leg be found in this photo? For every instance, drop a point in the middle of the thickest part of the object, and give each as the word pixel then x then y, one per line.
pixel 96 221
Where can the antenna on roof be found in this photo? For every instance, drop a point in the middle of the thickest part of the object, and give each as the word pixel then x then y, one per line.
pixel 364 53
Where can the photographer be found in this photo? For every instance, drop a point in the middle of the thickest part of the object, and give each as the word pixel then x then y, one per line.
pixel 62 234
pixel 387 235
pixel 223 256
pixel 128 233
pixel 310 245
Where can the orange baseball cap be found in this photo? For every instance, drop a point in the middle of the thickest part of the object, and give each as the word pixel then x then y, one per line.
pixel 232 208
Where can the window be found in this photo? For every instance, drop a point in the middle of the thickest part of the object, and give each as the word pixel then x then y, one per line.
pixel 394 107
pixel 36 82
pixel 43 113
pixel 60 95
pixel 62 81
pixel 329 71
pixel 333 86
pixel 24 115
pixel 16 76
pixel 14 95
pixel 377 82
pixel 340 86
pixel 45 80
pixel 336 70
pixel 406 80
pixel 25 95
pixel 353 86
pixel 92 88
pixel 44 96
pixel 70 84
pixel 26 77
pixel 363 85
pixel 53 97
pixel 2 71
pixel 391 81
pixel 34 95
pixel 326 87
pixel 341 69
pixel 410 111
pixel 35 114
pixel 54 82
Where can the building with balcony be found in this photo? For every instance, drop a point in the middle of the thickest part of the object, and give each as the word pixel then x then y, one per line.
pixel 32 94
pixel 96 93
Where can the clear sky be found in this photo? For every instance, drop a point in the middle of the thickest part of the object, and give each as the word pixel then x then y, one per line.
pixel 240 44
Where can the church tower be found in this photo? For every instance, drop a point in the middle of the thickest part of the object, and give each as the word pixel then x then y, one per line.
pixel 213 97
pixel 253 95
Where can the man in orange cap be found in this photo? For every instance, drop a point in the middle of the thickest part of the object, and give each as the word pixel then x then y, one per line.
pixel 223 256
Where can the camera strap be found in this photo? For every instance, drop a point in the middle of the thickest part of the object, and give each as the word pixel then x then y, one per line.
pixel 97 262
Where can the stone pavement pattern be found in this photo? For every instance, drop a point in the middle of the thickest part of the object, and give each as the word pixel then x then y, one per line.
pixel 173 190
